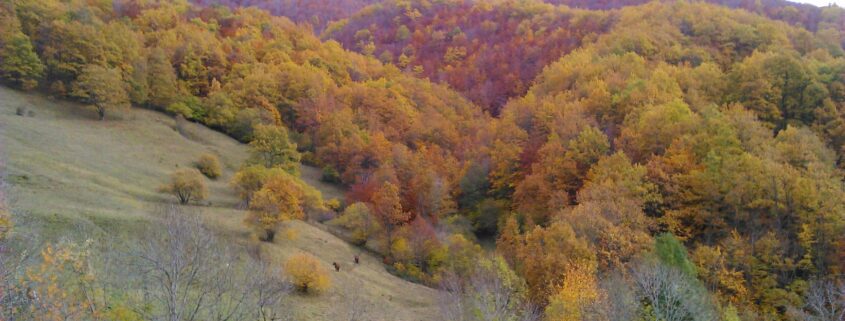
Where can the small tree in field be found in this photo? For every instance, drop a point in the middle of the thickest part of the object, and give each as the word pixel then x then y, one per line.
pixel 307 274
pixel 182 270
pixel 272 147
pixel 209 166
pixel 280 198
pixel 359 221
pixel 249 180
pixel 102 87
pixel 187 185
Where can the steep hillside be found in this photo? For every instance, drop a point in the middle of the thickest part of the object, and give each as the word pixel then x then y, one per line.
pixel 74 177
pixel 490 51
pixel 806 15
pixel 317 13
pixel 679 145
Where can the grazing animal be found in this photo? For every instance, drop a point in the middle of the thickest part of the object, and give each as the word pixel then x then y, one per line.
pixel 336 266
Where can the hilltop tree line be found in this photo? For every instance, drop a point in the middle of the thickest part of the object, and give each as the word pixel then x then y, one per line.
pixel 316 13
pixel 670 161
pixel 492 51
pixel 488 52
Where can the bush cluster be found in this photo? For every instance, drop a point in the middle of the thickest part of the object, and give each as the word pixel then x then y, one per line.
pixel 209 166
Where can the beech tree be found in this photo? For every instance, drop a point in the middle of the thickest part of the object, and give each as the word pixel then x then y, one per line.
pixel 576 293
pixel 307 273
pixel 271 147
pixel 544 256
pixel 103 87
pixel 280 199
pixel 161 80
pixel 19 64
pixel 387 208
pixel 359 220
pixel 187 185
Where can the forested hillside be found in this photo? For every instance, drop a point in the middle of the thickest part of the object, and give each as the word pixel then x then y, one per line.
pixel 806 15
pixel 317 13
pixel 664 161
pixel 672 123
pixel 492 50
pixel 488 52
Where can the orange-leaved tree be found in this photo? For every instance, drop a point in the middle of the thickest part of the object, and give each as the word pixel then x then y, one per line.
pixel 279 199
pixel 387 208
pixel 307 274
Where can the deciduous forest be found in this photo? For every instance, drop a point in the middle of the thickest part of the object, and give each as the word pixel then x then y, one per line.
pixel 569 160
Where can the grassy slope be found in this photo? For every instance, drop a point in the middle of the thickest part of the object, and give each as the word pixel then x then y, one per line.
pixel 76 177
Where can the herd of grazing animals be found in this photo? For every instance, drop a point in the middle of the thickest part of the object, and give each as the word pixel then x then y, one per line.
pixel 356 259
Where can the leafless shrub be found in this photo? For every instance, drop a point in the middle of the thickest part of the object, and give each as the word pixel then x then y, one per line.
pixel 616 302
pixel 356 307
pixel 824 301
pixel 485 296
pixel 176 271
pixel 670 294
pixel 186 274
pixel 13 297
pixel 17 251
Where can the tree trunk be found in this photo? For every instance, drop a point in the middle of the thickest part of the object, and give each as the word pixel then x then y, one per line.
pixel 184 198
pixel 269 235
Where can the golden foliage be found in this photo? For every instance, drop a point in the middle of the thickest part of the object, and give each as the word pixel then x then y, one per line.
pixel 545 255
pixel 248 180
pixel 187 185
pixel 209 166
pixel 359 221
pixel 307 274
pixel 279 199
pixel 63 283
pixel 578 289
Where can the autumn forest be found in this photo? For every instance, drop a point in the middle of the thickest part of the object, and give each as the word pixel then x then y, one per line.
pixel 528 160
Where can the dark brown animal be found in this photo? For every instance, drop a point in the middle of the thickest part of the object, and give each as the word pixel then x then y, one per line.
pixel 336 266
pixel 356 259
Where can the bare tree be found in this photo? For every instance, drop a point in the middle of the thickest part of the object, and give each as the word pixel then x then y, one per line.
pixel 616 302
pixel 176 271
pixel 268 293
pixel 485 296
pixel 356 307
pixel 824 301
pixel 13 297
pixel 187 274
pixel 450 298
pixel 670 294
pixel 17 251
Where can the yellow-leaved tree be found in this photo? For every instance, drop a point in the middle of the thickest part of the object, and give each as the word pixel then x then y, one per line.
pixel 279 199
pixel 187 185
pixel 578 289
pixel 307 274
pixel 103 87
